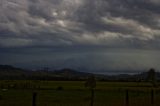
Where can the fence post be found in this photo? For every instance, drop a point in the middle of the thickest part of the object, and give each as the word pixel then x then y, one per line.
pixel 152 97
pixel 127 97
pixel 92 96
pixel 34 99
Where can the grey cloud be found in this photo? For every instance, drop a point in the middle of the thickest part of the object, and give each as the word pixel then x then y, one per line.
pixel 69 20
pixel 75 18
pixel 93 60
pixel 70 24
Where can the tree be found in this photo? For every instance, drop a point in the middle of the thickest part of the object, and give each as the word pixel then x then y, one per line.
pixel 91 84
pixel 152 76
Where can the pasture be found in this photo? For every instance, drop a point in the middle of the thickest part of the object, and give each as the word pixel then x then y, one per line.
pixel 74 93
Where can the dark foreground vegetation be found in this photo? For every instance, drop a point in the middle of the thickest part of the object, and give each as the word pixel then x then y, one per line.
pixel 74 93
pixel 66 87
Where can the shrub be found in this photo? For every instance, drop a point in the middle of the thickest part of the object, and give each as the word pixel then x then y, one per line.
pixel 59 88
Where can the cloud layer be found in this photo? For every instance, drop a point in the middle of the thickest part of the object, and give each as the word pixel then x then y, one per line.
pixel 79 22
pixel 103 24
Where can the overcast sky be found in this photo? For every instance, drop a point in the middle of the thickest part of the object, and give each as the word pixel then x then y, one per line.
pixel 88 35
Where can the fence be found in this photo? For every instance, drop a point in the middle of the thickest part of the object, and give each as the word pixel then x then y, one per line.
pixel 128 97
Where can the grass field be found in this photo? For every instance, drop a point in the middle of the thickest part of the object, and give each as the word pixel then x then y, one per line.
pixel 73 93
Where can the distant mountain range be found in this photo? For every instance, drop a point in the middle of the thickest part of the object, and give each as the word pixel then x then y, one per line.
pixel 8 72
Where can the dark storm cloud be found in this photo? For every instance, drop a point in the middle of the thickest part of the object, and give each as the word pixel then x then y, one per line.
pixel 92 60
pixel 79 22
pixel 43 26
pixel 76 22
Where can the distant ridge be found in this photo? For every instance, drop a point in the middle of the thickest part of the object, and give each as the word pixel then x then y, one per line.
pixel 8 67
pixel 8 72
pixel 71 73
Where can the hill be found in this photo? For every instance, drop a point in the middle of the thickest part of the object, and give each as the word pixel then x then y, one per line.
pixel 8 72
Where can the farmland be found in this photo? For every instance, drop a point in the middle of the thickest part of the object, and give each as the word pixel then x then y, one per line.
pixel 73 93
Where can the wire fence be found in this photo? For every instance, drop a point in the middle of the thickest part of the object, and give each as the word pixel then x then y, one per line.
pixel 118 97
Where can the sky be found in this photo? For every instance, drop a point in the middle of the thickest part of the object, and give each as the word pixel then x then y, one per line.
pixel 98 36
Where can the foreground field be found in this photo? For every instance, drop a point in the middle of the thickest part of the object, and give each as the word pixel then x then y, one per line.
pixel 73 93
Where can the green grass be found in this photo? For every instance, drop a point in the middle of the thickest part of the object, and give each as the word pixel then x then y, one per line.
pixel 75 94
